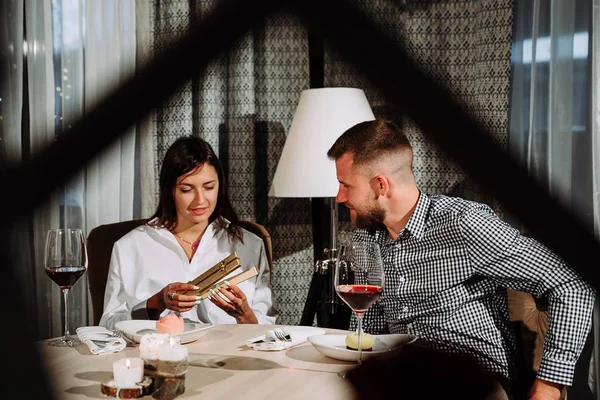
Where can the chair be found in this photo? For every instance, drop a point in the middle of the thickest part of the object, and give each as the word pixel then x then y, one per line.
pixel 100 242
pixel 530 316
pixel 262 233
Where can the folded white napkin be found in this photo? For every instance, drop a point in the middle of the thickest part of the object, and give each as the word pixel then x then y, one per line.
pixel 269 342
pixel 100 340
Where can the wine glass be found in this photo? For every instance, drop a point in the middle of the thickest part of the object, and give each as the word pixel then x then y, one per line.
pixel 359 280
pixel 65 263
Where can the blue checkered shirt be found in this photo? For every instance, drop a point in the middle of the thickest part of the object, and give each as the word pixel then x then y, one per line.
pixel 446 279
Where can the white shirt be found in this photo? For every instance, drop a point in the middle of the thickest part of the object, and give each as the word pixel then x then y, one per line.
pixel 148 258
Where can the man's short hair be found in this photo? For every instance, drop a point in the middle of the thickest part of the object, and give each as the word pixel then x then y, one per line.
pixel 369 141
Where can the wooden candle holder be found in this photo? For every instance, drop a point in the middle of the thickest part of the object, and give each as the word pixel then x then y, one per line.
pixel 143 388
pixel 150 367
pixel 169 379
pixel 168 387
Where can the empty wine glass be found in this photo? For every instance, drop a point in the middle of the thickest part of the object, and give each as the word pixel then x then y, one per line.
pixel 359 280
pixel 65 263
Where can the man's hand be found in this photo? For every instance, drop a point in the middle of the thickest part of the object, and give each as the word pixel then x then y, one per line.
pixel 544 390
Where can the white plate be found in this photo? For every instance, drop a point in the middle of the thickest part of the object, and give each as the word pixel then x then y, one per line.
pixel 134 329
pixel 334 346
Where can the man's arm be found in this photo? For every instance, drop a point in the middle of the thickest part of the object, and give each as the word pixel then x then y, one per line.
pixel 501 253
pixel 544 390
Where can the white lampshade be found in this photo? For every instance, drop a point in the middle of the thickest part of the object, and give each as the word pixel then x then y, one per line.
pixel 321 117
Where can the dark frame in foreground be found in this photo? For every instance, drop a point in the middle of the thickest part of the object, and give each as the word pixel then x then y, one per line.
pixel 379 57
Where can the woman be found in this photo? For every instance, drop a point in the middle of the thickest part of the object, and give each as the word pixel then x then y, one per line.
pixel 194 228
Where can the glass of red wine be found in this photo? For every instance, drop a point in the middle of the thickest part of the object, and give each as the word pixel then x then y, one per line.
pixel 359 280
pixel 65 263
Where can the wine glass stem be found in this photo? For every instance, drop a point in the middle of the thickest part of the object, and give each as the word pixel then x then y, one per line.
pixel 66 317
pixel 359 324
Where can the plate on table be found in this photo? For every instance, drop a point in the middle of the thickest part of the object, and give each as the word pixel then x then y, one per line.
pixel 334 346
pixel 136 328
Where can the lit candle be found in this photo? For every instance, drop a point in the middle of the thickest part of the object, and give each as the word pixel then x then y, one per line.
pixel 171 350
pixel 127 372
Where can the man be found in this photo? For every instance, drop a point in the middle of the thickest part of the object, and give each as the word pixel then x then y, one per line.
pixel 448 262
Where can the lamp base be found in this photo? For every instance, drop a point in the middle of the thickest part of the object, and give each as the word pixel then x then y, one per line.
pixel 318 304
pixel 340 319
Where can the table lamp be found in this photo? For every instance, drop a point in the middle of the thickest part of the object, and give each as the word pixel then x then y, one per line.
pixel 304 170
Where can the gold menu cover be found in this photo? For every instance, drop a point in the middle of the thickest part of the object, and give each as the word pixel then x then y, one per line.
pixel 236 280
pixel 208 279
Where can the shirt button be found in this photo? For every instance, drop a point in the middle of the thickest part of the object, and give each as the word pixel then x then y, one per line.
pixel 405 309
pixel 402 279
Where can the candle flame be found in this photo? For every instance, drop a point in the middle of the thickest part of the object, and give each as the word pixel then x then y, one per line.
pixel 128 363
pixel 172 341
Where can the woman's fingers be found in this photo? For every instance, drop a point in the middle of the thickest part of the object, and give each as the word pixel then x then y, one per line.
pixel 175 299
pixel 235 290
pixel 231 296
pixel 230 299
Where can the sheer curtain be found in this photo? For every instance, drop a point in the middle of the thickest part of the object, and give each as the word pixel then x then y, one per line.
pixel 550 99
pixel 549 126
pixel 595 122
pixel 67 55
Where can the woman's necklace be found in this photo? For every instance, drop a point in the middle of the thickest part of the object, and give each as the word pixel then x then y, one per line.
pixel 193 245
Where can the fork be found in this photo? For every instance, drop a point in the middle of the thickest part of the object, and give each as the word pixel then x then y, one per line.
pixel 279 334
pixel 119 333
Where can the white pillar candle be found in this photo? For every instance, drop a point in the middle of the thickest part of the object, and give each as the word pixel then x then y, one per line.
pixel 170 350
pixel 128 371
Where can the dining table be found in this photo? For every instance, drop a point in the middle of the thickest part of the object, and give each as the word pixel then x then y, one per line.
pixel 221 366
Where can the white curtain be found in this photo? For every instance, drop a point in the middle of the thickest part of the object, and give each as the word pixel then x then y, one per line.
pixel 67 56
pixel 551 132
pixel 110 48
pixel 549 129
pixel 11 96
pixel 595 123
pixel 596 115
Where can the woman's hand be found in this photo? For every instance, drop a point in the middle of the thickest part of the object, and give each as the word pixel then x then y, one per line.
pixel 169 298
pixel 236 304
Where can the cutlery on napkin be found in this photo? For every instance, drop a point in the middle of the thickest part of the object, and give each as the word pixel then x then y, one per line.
pixel 100 340
pixel 294 336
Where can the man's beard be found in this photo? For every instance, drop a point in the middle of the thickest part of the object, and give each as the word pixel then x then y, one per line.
pixel 370 219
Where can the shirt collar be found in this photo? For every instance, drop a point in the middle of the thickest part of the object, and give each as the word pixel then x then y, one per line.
pixel 415 226
pixel 417 221
pixel 211 230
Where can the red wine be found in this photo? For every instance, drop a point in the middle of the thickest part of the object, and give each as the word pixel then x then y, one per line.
pixel 65 277
pixel 359 297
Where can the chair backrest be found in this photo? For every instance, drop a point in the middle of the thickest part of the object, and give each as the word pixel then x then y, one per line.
pixel 262 233
pixel 100 243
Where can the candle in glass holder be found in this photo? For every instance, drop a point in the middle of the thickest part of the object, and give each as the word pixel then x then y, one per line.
pixel 149 346
pixel 172 358
pixel 151 342
pixel 127 372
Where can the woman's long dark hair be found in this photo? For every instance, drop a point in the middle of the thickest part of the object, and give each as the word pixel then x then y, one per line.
pixel 182 157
